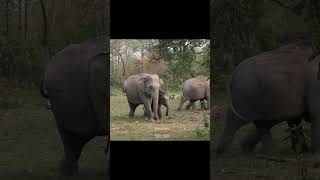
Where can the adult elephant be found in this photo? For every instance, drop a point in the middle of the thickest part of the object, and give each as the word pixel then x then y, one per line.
pixel 271 87
pixel 143 89
pixel 195 89
pixel 75 83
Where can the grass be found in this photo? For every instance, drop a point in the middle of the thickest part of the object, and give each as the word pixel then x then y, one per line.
pixel 236 165
pixel 179 125
pixel 30 145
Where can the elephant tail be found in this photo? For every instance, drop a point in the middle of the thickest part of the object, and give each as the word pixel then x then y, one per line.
pixel 231 106
pixel 43 89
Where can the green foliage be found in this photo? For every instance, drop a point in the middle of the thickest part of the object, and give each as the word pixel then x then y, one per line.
pixel 20 46
pixel 181 54
pixel 244 28
pixel 174 60
pixel 116 80
pixel 237 30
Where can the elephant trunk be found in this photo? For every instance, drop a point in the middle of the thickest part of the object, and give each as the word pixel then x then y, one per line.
pixel 155 100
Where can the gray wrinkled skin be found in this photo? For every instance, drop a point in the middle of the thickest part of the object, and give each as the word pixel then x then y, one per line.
pixel 163 100
pixel 269 88
pixel 75 82
pixel 195 89
pixel 143 89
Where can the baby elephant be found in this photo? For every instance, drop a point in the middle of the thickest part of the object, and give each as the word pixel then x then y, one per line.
pixel 163 100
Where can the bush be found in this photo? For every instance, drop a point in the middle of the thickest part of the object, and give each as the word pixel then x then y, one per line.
pixel 116 80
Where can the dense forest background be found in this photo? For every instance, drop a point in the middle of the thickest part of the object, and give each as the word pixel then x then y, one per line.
pixel 32 30
pixel 174 60
pixel 243 28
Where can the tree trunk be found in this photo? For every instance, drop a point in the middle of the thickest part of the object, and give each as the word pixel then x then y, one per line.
pixel 123 67
pixel 53 16
pixel 118 60
pixel 45 50
pixel 314 18
pixel 20 18
pixel 112 62
pixel 7 18
pixel 25 19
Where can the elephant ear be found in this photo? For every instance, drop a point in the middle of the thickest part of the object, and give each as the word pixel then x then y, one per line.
pixel 161 83
pixel 161 91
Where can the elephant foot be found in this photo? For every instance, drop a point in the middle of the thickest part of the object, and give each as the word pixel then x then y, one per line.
pixel 68 169
pixel 147 118
pixel 249 143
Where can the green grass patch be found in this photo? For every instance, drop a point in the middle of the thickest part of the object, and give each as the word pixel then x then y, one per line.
pixel 30 143
pixel 179 125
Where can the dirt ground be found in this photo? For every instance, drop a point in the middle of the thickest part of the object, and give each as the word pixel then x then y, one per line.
pixel 237 165
pixel 179 125
pixel 30 146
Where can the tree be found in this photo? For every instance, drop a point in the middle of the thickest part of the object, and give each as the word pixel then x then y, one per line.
pixel 180 54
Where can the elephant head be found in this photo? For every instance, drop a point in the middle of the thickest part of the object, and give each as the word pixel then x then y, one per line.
pixel 149 86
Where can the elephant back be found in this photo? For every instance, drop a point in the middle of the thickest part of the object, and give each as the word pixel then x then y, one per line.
pixel 262 86
pixel 194 88
pixel 69 87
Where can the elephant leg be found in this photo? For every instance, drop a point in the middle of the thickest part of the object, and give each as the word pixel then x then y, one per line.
pixel 159 111
pixel 167 109
pixel 232 124
pixel 194 106
pixel 250 141
pixel 73 144
pixel 147 109
pixel 182 101
pixel 132 109
pixel 267 141
pixel 191 104
pixel 263 128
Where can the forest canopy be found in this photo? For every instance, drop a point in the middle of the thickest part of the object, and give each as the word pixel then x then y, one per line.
pixel 241 29
pixel 174 60
pixel 244 28
pixel 30 28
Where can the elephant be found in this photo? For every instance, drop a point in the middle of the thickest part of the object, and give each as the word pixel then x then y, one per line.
pixel 74 81
pixel 195 89
pixel 275 86
pixel 143 89
pixel 163 100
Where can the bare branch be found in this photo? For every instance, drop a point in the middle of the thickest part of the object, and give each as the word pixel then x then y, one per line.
pixel 296 9
pixel 282 4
